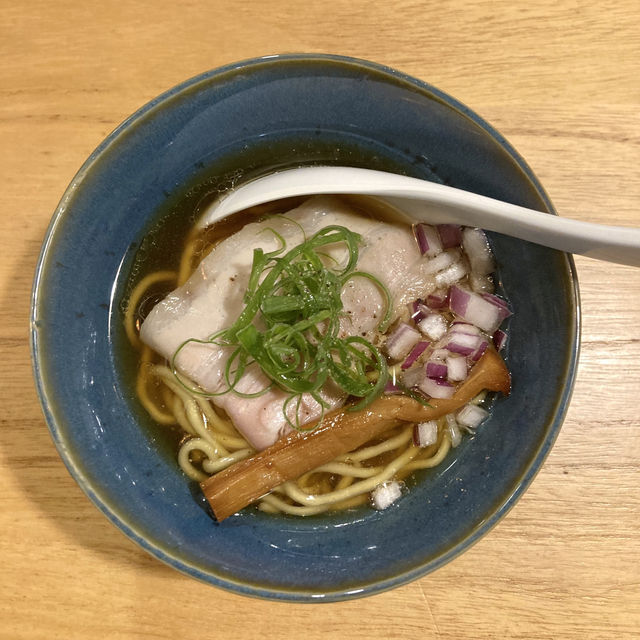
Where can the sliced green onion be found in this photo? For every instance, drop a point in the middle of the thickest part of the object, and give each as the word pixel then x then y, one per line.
pixel 291 322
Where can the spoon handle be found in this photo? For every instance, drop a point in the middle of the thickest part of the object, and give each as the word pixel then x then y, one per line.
pixel 425 201
pixel 599 241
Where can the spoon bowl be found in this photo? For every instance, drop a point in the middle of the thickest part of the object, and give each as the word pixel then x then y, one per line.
pixel 424 201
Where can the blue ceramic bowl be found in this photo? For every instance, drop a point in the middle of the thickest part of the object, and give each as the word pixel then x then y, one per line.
pixel 242 120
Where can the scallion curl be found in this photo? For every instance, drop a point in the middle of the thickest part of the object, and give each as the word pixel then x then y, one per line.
pixel 290 325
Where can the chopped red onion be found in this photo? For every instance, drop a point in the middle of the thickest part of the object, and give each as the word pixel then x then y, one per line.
pixel 499 302
pixel 499 339
pixel 438 299
pixel 436 369
pixel 458 300
pixel 475 309
pixel 471 415
pixel 436 388
pixel 385 494
pixel 425 433
pixel 451 275
pixel 428 240
pixel 419 311
pixel 401 340
pixel 465 327
pixel 414 354
pixel 463 343
pixel 441 261
pixel 457 368
pixel 450 234
pixel 433 326
pixel 478 251
pixel 478 353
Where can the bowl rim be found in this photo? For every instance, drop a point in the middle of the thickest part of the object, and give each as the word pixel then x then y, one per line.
pixel 248 588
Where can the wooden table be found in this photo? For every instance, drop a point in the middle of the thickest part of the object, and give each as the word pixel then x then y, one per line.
pixel 561 80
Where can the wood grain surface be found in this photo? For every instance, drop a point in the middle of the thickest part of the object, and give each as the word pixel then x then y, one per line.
pixel 561 80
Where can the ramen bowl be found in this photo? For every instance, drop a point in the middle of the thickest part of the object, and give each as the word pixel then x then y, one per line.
pixel 151 174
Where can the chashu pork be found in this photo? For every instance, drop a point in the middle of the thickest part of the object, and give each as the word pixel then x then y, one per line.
pixel 212 299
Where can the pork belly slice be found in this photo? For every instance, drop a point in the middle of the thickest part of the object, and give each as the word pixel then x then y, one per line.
pixel 211 300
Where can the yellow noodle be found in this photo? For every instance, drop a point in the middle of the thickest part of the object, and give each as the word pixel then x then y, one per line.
pixel 232 442
pixel 181 416
pixel 197 421
pixel 343 469
pixel 295 510
pixel 435 460
pixel 304 481
pixel 152 409
pixel 220 424
pixel 344 482
pixel 268 508
pixel 167 396
pixel 359 487
pixel 212 463
pixel 169 379
pixel 213 466
pixel 142 380
pixel 376 450
pixel 320 485
pixel 184 459
pixel 356 501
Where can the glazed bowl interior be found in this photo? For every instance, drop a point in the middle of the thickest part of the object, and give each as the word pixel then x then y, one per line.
pixel 143 186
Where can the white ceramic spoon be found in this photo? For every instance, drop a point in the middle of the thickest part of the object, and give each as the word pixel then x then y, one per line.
pixel 424 201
